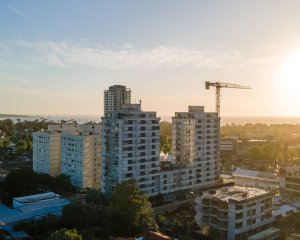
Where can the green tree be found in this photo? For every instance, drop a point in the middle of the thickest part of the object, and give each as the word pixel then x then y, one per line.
pixel 64 234
pixel 131 208
pixel 79 216
pixel 254 153
pixel 267 152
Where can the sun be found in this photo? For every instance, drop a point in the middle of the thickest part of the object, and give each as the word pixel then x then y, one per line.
pixel 290 80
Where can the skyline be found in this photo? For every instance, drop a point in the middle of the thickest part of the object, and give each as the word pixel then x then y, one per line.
pixel 54 61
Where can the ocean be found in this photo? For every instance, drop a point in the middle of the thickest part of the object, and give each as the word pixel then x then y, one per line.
pixel 96 118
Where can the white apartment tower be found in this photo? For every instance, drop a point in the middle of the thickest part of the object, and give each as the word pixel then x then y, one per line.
pixel 80 156
pixel 46 148
pixel 195 142
pixel 70 149
pixel 115 97
pixel 130 148
pixel 235 213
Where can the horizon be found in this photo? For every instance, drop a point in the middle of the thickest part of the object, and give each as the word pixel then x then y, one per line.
pixel 163 51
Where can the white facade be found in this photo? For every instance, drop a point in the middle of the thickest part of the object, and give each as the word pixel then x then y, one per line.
pixel 81 157
pixel 46 148
pixel 130 149
pixel 70 149
pixel 195 142
pixel 115 97
pixel 235 212
pixel 290 182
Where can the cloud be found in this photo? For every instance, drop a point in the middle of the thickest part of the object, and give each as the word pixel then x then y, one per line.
pixel 69 54
pixel 18 12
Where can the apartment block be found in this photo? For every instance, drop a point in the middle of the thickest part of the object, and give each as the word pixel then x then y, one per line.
pixel 115 97
pixel 235 213
pixel 70 149
pixel 195 142
pixel 46 148
pixel 130 148
pixel 290 183
pixel 81 156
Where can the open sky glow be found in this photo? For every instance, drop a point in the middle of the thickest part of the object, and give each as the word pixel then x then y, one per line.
pixel 57 57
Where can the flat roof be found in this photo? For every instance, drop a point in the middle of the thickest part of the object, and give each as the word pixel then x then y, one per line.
pixel 37 198
pixel 34 210
pixel 264 234
pixel 6 211
pixel 237 193
pixel 246 173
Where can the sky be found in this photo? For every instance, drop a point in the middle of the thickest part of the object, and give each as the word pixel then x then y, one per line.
pixel 58 56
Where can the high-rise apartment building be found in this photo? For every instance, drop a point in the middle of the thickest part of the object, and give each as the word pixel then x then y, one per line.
pixel 115 97
pixel 46 148
pixel 70 149
pixel 195 143
pixel 130 148
pixel 80 156
pixel 235 213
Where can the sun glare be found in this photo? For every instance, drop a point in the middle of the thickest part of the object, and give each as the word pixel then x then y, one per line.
pixel 290 79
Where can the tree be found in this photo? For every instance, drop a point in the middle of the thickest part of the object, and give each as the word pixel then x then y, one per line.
pixel 267 152
pixel 94 198
pixel 254 153
pixel 64 234
pixel 80 216
pixel 131 208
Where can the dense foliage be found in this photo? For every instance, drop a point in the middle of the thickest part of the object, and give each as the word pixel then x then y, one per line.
pixel 25 182
pixel 127 213
pixel 64 234
pixel 16 138
pixel 166 137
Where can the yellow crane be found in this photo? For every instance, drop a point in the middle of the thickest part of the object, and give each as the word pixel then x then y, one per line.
pixel 218 86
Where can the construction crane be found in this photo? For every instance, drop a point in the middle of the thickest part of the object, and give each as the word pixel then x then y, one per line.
pixel 218 86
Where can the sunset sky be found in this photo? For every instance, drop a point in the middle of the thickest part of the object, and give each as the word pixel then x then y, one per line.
pixel 57 57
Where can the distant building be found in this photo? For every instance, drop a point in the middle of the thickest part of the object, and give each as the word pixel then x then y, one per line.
pixel 290 182
pixel 251 178
pixel 228 148
pixel 235 213
pixel 115 97
pixel 70 149
pixel 268 234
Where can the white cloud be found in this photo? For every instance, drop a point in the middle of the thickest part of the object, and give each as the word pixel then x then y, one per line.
pixel 19 13
pixel 71 54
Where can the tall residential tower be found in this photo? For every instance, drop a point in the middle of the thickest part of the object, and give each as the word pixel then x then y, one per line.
pixel 115 97
pixel 130 148
pixel 196 135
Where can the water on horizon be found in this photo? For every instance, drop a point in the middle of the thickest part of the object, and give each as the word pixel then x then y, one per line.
pixel 224 120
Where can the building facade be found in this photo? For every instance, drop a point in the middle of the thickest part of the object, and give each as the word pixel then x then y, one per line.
pixel 46 148
pixel 290 183
pixel 81 156
pixel 235 213
pixel 130 148
pixel 70 149
pixel 195 142
pixel 115 97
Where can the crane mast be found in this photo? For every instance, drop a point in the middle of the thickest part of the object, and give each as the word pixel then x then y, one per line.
pixel 218 86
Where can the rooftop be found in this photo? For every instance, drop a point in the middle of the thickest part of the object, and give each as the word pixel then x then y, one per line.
pixel 37 198
pixel 264 234
pixel 245 173
pixel 237 193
